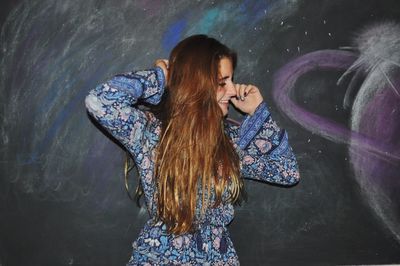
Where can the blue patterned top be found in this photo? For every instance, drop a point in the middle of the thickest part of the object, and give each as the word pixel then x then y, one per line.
pixel 263 150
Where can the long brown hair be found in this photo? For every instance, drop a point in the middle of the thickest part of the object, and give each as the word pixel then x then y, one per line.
pixel 194 150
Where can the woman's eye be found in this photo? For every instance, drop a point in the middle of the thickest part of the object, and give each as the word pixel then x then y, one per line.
pixel 222 84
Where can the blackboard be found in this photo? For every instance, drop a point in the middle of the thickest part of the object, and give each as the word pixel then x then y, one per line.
pixel 62 195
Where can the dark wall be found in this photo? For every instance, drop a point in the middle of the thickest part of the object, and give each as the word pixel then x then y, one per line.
pixel 62 196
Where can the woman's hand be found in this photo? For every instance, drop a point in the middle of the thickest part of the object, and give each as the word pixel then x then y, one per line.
pixel 163 64
pixel 248 98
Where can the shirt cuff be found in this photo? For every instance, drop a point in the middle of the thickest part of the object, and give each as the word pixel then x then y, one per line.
pixel 154 86
pixel 252 125
pixel 282 147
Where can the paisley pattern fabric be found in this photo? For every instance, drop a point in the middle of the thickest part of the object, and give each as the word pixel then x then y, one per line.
pixel 262 147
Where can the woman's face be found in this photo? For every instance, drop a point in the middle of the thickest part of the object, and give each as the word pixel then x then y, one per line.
pixel 226 89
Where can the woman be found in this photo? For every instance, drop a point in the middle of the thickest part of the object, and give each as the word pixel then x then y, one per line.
pixel 191 160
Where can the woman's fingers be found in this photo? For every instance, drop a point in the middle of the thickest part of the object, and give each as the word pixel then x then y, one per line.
pixel 240 89
pixel 162 62
pixel 248 97
pixel 249 89
pixel 243 90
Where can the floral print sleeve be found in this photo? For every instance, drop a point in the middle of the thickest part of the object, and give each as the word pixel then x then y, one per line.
pixel 112 104
pixel 264 149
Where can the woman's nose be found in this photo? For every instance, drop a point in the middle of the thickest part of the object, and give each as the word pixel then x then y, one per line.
pixel 230 90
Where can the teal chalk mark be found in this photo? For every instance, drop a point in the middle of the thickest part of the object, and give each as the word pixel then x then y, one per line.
pixel 208 21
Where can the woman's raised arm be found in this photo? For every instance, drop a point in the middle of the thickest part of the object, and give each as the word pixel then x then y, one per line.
pixel 264 149
pixel 112 103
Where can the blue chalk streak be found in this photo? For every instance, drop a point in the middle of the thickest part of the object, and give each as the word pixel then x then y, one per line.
pixel 173 35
